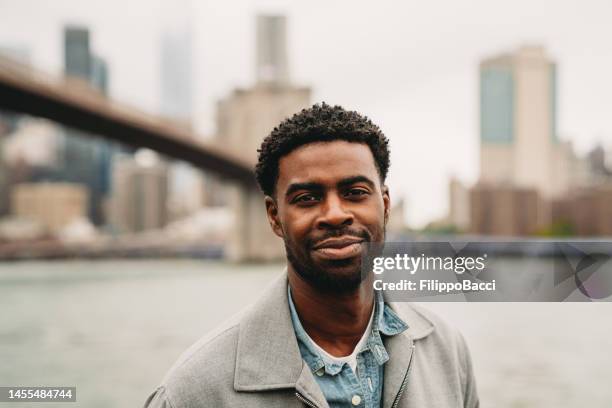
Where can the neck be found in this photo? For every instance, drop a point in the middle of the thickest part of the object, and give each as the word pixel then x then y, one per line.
pixel 336 322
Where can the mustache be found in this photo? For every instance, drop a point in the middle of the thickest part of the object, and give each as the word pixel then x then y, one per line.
pixel 341 232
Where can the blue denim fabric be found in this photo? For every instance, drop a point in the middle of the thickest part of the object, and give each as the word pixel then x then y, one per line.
pixel 339 384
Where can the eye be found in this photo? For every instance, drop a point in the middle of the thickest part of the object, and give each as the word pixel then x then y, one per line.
pixel 306 198
pixel 356 192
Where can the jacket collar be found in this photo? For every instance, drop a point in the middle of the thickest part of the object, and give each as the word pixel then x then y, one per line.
pixel 268 356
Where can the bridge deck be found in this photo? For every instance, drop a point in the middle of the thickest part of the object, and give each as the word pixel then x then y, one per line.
pixel 74 103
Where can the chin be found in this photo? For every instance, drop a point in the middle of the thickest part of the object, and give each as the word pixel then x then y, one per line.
pixel 349 266
pixel 339 276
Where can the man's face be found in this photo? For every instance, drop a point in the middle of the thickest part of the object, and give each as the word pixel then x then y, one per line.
pixel 329 201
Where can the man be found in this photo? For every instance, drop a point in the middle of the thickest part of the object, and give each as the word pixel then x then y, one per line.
pixel 321 336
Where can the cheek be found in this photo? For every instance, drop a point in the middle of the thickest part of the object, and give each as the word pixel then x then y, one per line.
pixel 373 215
pixel 374 221
pixel 297 225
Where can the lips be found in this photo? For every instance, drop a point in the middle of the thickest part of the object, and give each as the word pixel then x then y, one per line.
pixel 339 248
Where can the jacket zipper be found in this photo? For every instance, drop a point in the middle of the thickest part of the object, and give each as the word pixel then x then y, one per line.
pixel 405 381
pixel 305 401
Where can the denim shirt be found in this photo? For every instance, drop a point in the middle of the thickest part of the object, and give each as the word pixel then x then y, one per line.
pixel 340 385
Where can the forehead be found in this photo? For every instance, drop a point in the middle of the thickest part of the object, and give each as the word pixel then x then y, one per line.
pixel 326 163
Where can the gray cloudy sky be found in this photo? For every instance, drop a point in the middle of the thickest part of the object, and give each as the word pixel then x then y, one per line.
pixel 411 66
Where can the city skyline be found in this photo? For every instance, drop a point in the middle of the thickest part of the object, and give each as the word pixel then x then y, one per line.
pixel 404 73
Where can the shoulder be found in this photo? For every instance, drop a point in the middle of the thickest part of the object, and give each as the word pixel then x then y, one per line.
pixel 444 350
pixel 440 346
pixel 441 355
pixel 430 329
pixel 203 373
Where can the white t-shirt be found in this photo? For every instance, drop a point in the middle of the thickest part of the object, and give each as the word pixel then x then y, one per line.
pixel 352 358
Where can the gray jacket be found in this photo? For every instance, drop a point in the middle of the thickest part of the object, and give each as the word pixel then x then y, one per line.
pixel 254 361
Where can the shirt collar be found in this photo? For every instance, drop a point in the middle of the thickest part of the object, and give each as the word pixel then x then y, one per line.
pixel 385 321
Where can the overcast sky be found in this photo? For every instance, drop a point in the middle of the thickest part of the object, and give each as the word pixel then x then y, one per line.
pixel 411 66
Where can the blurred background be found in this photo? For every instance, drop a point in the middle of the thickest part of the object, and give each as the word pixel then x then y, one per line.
pixel 130 223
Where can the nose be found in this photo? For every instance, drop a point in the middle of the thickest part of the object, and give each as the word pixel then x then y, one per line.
pixel 334 214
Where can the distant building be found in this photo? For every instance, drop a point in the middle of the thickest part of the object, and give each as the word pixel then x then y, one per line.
pixel 518 123
pixel 99 74
pixel 186 185
pixel 27 154
pixel 586 211
pixel 247 116
pixel 530 182
pixel 523 164
pixel 272 65
pixel 53 205
pixel 86 159
pixel 599 165
pixel 140 194
pixel 506 210
pixel 77 55
pixel 459 211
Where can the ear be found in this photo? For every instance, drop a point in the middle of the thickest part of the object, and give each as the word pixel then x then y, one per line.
pixel 272 213
pixel 386 202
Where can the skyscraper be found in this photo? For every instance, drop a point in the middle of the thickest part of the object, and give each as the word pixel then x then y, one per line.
pixel 77 56
pixel 86 160
pixel 518 130
pixel 272 61
pixel 248 115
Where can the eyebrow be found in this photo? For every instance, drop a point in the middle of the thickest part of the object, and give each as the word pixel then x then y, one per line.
pixel 355 179
pixel 318 187
pixel 302 186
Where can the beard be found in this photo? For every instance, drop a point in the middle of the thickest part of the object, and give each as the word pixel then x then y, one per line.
pixel 332 276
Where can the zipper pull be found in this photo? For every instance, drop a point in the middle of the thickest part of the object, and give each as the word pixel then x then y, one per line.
pixel 305 400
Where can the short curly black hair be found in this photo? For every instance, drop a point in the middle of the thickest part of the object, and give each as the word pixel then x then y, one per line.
pixel 318 123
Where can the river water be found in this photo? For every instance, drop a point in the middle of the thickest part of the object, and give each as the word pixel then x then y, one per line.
pixel 112 329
